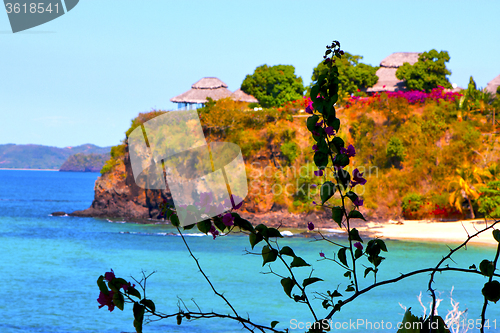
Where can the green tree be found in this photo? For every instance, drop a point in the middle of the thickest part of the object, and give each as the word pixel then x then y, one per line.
pixel 274 86
pixel 395 151
pixel 427 73
pixel 353 75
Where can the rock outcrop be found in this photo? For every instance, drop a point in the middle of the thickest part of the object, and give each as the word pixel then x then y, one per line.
pixel 117 195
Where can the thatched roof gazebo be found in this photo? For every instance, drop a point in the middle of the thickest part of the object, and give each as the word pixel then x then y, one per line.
pixel 207 87
pixel 387 80
pixel 493 85
pixel 240 96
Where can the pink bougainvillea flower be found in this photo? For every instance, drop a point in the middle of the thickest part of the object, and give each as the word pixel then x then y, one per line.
pixel 228 219
pixel 350 151
pixel 318 173
pixel 358 202
pixel 310 226
pixel 213 231
pixel 357 178
pixel 319 123
pixel 106 300
pixel 309 108
pixel 329 130
pixel 108 276
pixel 359 246
pixel 315 147
pixel 321 254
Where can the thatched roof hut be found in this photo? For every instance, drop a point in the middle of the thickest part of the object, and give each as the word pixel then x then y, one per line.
pixel 387 80
pixel 210 87
pixel 240 96
pixel 207 87
pixel 493 85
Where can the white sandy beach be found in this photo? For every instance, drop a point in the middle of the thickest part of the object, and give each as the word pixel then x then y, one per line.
pixel 449 232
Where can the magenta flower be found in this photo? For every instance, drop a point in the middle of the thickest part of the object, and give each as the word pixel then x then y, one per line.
pixel 228 219
pixel 108 276
pixel 350 151
pixel 106 300
pixel 213 231
pixel 310 226
pixel 321 254
pixel 126 286
pixel 359 246
pixel 358 202
pixel 320 123
pixel 357 178
pixel 318 173
pixel 315 147
pixel 309 108
pixel 329 130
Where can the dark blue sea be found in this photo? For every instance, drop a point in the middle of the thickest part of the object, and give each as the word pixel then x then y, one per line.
pixel 49 267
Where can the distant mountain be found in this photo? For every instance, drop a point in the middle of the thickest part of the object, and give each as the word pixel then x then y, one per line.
pixel 82 162
pixel 42 157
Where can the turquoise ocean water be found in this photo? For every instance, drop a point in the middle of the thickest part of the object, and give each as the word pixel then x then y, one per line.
pixel 49 266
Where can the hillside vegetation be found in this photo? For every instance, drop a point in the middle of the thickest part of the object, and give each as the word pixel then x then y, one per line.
pixel 425 155
pixel 85 162
pixel 42 157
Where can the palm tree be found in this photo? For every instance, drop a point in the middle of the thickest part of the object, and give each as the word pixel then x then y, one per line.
pixel 463 185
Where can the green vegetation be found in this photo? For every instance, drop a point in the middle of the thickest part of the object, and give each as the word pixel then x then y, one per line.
pixel 354 76
pixel 42 157
pixel 273 86
pixel 427 73
pixel 85 162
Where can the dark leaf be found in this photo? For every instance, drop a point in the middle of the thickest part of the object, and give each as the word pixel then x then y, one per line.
pixel 358 253
pixel 342 256
pixel 354 235
pixel 320 159
pixel 287 251
pixel 102 285
pixel 381 244
pixel 355 214
pixel 268 254
pixel 298 262
pixel 496 235
pixel 274 323
pixel 255 239
pixel 351 195
pixel 350 288
pixel 287 284
pixel 327 191
pixel 272 232
pixel 149 304
pixel 487 268
pixel 133 292
pixel 337 214
pixel 118 300
pixel 368 270
pixel 204 226
pixel 174 219
pixel 311 122
pixel 311 280
pixel 491 291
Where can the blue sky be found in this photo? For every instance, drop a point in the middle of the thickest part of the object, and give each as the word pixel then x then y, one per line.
pixel 82 77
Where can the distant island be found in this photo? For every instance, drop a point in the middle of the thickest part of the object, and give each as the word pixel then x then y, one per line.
pixel 85 162
pixel 36 157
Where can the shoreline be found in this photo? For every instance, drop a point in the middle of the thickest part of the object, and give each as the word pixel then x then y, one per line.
pixel 455 232
pixel 449 232
pixel 29 169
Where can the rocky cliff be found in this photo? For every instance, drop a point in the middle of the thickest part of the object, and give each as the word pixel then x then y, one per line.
pixel 117 195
